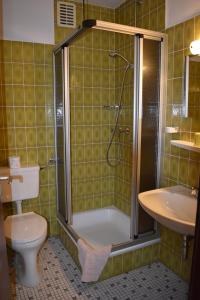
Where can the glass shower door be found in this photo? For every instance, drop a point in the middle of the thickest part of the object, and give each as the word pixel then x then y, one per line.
pixel 60 134
pixel 149 126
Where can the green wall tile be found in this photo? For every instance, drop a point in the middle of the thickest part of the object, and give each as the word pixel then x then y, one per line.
pixel 20 138
pixel 18 73
pixel 48 75
pixel 29 94
pixel 40 95
pixel 11 138
pixel 178 37
pixel 48 54
pixel 39 75
pixel 8 94
pixel 161 18
pixel 7 68
pixel 31 135
pixel 41 136
pixel 18 92
pixel 10 117
pixel 178 64
pixel 30 116
pixel 17 52
pixel 27 52
pixel 29 74
pixel 40 116
pixel 7 52
pixel 188 32
pixel 19 117
pixel 39 53
pixel 177 91
pixel 32 155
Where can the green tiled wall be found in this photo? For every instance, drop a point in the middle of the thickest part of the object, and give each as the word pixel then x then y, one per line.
pixel 91 12
pixel 179 166
pixel 26 110
pixel 171 254
pixel 150 14
pixel 123 178
pixel 92 79
pixel 96 81
pixel 126 13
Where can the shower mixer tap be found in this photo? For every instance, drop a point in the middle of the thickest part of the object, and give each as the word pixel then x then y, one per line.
pixel 112 107
pixel 124 130
pixel 120 130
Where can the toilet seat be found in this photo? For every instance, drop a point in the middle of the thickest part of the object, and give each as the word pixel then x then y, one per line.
pixel 25 228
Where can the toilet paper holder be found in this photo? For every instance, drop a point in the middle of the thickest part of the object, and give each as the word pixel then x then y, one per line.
pixel 51 162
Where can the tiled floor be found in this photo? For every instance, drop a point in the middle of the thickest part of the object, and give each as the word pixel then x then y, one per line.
pixel 61 280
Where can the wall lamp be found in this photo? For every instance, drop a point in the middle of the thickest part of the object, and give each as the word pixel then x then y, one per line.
pixel 195 47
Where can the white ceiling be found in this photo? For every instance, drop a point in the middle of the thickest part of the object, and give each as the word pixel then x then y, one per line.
pixel 104 3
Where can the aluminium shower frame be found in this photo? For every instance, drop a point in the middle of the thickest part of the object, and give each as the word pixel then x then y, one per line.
pixel 139 34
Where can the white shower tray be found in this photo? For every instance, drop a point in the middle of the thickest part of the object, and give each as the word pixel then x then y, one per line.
pixel 102 226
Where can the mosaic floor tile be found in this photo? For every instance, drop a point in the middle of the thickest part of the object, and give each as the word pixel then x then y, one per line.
pixel 61 280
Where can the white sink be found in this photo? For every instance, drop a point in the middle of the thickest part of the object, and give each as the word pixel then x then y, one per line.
pixel 174 207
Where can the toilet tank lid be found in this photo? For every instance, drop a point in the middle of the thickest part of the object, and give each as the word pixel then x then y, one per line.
pixel 26 168
pixel 6 170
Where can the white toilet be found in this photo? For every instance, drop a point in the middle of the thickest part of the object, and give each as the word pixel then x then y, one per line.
pixel 24 232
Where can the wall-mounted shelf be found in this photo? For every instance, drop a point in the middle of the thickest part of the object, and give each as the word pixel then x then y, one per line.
pixel 171 129
pixel 185 145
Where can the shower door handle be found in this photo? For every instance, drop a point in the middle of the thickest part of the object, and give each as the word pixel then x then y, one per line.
pixel 53 161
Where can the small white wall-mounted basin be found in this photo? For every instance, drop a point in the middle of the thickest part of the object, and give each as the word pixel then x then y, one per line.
pixel 173 207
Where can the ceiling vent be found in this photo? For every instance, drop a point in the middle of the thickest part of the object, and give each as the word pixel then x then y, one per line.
pixel 66 14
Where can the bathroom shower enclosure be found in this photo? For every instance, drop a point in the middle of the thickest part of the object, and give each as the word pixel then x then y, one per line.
pixel 108 89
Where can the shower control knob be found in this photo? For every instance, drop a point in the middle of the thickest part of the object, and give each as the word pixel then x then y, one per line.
pixel 124 130
pixel 127 130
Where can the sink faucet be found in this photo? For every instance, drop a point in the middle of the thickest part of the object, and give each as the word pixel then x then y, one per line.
pixel 194 192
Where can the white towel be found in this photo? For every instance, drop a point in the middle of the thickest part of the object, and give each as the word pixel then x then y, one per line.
pixel 92 259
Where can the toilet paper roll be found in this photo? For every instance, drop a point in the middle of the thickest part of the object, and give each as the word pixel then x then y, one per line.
pixel 14 162
pixel 197 139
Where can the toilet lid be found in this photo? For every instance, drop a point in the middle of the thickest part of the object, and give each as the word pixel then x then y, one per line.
pixel 24 228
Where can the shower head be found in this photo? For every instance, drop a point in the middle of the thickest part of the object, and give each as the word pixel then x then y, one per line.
pixel 114 54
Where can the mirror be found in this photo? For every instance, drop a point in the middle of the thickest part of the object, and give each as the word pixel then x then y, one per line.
pixel 191 87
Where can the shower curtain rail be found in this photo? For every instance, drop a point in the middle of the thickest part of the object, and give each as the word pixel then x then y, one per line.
pixel 108 26
pixel 87 24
